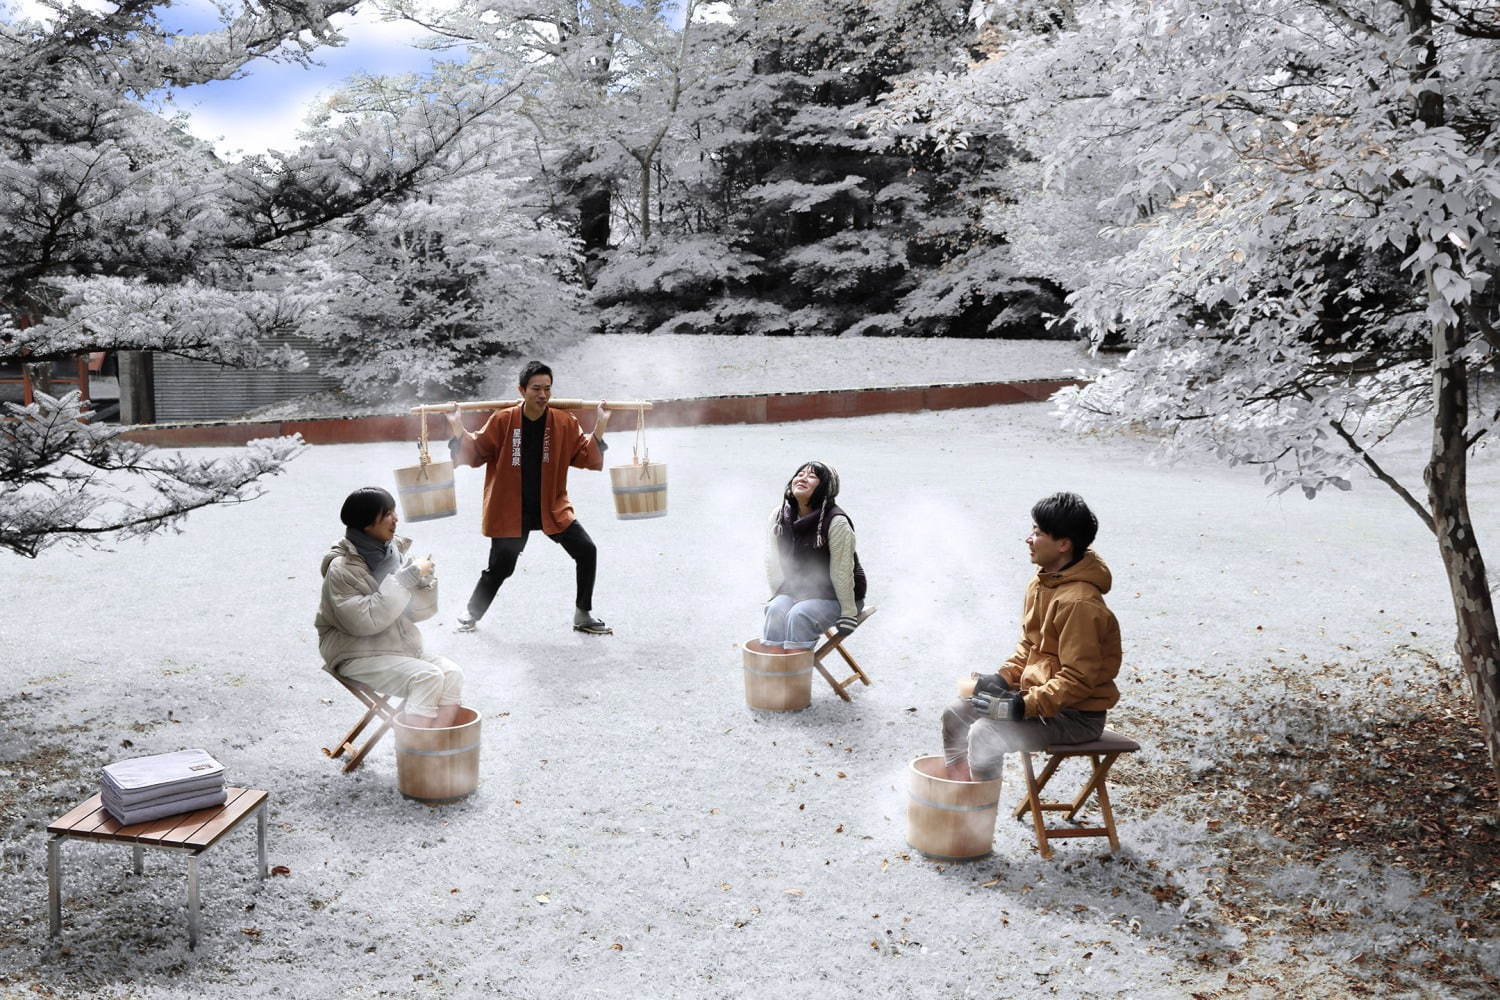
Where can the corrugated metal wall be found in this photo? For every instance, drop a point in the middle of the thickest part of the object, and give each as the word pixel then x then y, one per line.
pixel 197 390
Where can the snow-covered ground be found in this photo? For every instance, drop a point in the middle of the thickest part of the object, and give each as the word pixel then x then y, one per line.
pixel 638 831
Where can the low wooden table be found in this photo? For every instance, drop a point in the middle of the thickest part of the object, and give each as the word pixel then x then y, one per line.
pixel 188 833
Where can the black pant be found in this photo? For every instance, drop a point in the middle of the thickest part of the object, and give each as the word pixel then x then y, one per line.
pixel 505 551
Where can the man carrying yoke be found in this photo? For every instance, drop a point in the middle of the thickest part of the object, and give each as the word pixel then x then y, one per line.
pixel 526 451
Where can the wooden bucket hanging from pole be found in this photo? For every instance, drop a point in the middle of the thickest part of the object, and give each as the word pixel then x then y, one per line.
pixel 640 488
pixel 426 489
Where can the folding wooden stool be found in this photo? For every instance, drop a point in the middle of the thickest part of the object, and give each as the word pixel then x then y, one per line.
pixel 377 706
pixel 833 642
pixel 1102 753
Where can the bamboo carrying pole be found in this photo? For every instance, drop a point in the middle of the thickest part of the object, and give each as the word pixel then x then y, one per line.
pixel 561 404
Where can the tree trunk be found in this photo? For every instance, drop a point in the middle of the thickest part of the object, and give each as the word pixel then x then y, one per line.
pixel 1447 474
pixel 137 387
pixel 645 201
pixel 593 215
pixel 1478 644
pixel 593 225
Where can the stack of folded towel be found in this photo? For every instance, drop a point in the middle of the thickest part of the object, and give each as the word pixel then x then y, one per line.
pixel 147 788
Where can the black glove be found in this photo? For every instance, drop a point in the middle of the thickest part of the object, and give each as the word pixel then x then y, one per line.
pixel 1011 707
pixel 844 626
pixel 991 684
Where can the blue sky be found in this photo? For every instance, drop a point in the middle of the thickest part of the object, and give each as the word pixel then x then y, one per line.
pixel 265 109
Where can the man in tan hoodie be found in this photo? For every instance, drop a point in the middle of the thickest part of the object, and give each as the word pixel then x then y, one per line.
pixel 1060 681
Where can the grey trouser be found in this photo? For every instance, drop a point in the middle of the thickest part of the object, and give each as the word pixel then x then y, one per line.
pixel 985 741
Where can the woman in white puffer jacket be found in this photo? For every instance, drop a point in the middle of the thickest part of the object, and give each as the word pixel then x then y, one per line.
pixel 373 596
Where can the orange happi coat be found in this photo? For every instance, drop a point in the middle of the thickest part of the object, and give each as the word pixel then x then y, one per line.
pixel 497 446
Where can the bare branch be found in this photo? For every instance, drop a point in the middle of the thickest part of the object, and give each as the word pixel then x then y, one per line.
pixel 1379 473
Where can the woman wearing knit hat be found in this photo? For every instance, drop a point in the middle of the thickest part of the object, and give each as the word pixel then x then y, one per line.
pixel 815 576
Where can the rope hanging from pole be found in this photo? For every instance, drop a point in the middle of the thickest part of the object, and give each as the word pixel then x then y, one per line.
pixel 638 453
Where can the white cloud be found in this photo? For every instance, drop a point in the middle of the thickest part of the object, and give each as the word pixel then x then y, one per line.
pixel 267 109
pixel 273 124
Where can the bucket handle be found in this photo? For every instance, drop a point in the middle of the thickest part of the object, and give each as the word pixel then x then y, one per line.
pixel 639 455
pixel 423 456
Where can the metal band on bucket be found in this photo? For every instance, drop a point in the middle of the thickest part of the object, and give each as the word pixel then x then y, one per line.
pixel 633 517
pixel 773 673
pixel 429 800
pixel 429 488
pixel 938 805
pixel 433 517
pixel 948 857
pixel 659 488
pixel 437 753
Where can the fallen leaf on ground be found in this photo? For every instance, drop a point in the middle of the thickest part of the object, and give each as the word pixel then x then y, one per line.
pixel 542 897
pixel 250 931
pixel 793 892
pixel 281 870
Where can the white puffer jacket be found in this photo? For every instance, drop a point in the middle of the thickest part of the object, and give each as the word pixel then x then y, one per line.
pixel 357 618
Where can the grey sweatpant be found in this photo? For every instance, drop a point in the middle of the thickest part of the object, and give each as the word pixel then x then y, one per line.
pixel 985 741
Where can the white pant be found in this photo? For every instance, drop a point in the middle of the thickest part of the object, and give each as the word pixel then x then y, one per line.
pixel 425 683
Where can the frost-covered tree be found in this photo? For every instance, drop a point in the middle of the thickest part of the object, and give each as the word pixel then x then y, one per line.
pixel 119 231
pixel 609 87
pixel 65 480
pixel 783 214
pixel 424 295
pixel 1300 202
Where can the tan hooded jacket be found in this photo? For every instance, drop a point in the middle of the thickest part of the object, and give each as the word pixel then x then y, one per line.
pixel 1069 652
pixel 357 618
